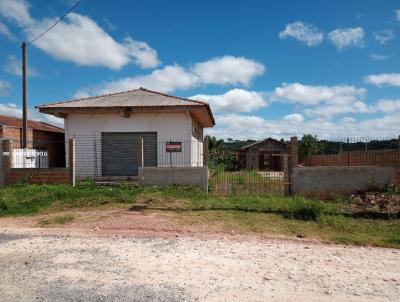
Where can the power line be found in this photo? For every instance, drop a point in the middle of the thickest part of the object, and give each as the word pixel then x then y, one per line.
pixel 59 20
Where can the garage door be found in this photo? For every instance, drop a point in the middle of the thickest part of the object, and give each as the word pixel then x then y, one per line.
pixel 121 152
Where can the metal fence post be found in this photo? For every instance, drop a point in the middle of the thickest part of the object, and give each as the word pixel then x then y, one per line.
pixel 72 162
pixel 205 152
pixel 6 160
pixel 286 175
pixel 142 150
pixel 294 160
pixel 294 150
pixel 2 168
pixel 398 160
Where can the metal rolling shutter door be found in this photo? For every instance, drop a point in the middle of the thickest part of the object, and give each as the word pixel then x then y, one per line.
pixel 120 152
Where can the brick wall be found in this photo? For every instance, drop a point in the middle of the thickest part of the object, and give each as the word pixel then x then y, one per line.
pixel 40 176
pixel 386 158
pixel 381 158
pixel 14 133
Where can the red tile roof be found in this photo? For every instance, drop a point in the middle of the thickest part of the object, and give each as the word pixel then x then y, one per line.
pixel 37 125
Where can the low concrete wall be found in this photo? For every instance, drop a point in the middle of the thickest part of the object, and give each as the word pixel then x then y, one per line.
pixel 40 176
pixel 186 176
pixel 323 181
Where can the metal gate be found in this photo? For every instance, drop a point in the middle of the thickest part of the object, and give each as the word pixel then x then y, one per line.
pixel 121 152
pixel 271 176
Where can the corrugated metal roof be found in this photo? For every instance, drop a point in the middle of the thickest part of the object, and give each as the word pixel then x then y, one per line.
pixel 37 125
pixel 263 141
pixel 134 98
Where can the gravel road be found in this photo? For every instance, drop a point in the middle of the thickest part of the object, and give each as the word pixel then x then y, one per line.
pixel 55 265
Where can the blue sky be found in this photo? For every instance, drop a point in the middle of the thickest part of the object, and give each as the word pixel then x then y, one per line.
pixel 268 68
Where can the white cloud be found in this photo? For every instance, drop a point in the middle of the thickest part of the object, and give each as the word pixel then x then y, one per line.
pixel 390 79
pixel 304 32
pixel 141 53
pixel 82 41
pixel 16 11
pixel 174 77
pixel 397 12
pixel 239 126
pixel 329 110
pixel 5 31
pixel 228 70
pixel 13 66
pixel 378 57
pixel 79 39
pixel 387 105
pixel 347 37
pixel 384 36
pixel 235 100
pixel 313 95
pixel 12 109
pixel 295 117
pixel 167 79
pixel 326 101
pixel 4 87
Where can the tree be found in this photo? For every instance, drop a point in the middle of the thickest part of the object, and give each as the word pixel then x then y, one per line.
pixel 309 144
pixel 215 144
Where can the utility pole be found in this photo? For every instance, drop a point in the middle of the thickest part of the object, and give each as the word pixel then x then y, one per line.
pixel 24 98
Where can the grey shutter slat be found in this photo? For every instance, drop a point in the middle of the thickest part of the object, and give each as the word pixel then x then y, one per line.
pixel 120 152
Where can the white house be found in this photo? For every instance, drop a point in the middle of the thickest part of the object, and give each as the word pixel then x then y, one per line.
pixel 115 133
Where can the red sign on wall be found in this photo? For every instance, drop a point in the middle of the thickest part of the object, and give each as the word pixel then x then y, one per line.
pixel 173 147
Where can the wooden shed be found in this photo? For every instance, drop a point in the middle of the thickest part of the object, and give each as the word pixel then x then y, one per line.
pixel 264 155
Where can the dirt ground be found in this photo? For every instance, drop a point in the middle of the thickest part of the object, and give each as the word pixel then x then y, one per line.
pixel 142 257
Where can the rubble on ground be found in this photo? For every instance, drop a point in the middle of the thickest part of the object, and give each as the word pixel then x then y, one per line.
pixel 375 201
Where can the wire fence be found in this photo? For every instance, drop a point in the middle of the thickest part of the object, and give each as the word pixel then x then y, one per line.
pixel 362 151
pixel 121 154
pixel 267 174
pixel 37 154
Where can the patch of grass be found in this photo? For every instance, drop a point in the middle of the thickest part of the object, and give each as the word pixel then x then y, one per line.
pixel 61 219
pixel 337 229
pixel 248 214
pixel 28 199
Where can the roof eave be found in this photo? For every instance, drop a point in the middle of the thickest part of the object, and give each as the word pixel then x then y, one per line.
pixel 64 111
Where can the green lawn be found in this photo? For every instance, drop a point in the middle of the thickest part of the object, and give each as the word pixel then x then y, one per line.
pixel 293 216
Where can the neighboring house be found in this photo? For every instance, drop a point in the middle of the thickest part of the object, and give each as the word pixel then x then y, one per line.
pixel 40 136
pixel 11 128
pixel 109 131
pixel 264 155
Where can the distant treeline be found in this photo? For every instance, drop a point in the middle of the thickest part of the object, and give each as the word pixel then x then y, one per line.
pixel 329 147
pixel 310 144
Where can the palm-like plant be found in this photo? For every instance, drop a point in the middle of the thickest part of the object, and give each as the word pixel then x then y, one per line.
pixel 215 144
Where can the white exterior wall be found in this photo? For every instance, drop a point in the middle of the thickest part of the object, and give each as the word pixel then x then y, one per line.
pixel 87 128
pixel 196 147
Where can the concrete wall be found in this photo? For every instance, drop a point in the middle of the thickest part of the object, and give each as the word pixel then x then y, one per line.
pixel 324 181
pixel 186 176
pixel 88 127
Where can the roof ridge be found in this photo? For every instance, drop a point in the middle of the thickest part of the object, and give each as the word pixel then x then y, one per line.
pixel 88 97
pixel 263 140
pixel 29 120
pixel 173 96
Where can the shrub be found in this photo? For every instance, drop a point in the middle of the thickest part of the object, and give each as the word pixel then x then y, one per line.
pixel 305 209
pixel 223 160
pixel 3 206
pixel 392 189
pixel 25 180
